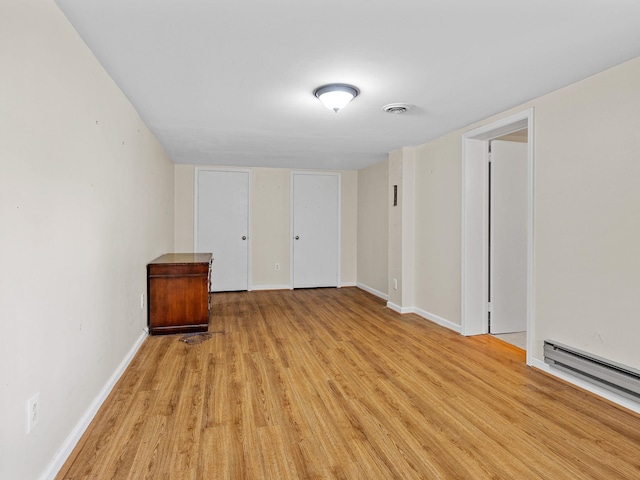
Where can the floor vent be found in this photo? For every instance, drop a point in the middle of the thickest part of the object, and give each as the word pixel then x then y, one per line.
pixel 617 378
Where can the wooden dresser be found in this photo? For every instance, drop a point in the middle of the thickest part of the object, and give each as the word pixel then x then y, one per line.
pixel 178 291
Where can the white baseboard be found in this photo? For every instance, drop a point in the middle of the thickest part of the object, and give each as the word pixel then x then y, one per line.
pixel 399 309
pixel 438 319
pixel 372 291
pixel 72 440
pixel 271 287
pixel 590 387
pixel 288 287
pixel 432 317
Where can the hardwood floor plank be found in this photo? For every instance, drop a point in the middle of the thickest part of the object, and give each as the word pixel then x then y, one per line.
pixel 143 466
pixel 274 454
pixel 330 384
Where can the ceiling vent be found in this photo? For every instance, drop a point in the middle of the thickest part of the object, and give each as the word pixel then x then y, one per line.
pixel 397 108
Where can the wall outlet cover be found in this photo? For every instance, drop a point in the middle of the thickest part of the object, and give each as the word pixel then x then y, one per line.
pixel 33 412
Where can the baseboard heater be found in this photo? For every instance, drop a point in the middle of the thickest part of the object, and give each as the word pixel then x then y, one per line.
pixel 613 376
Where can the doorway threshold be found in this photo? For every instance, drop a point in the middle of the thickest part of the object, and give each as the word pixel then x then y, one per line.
pixel 517 339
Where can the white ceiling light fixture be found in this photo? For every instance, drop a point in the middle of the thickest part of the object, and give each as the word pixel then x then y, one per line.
pixel 336 96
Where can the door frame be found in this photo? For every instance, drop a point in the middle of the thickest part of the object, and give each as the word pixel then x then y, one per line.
pixel 475 197
pixel 291 226
pixel 249 223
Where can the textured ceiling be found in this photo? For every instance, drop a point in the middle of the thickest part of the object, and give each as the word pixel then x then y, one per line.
pixel 230 82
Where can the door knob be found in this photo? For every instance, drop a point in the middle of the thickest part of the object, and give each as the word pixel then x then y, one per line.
pixel 244 237
pixel 297 237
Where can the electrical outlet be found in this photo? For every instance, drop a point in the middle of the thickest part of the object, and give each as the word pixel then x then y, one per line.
pixel 395 283
pixel 142 300
pixel 277 266
pixel 33 412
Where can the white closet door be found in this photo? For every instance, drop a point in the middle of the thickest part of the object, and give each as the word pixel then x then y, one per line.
pixel 508 250
pixel 316 230
pixel 223 226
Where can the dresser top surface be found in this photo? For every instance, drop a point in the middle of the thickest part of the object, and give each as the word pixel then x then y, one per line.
pixel 182 258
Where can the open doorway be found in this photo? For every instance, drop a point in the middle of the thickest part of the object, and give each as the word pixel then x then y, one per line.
pixel 507 212
pixel 477 280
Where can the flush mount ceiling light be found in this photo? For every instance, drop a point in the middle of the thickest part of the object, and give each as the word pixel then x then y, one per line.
pixel 336 96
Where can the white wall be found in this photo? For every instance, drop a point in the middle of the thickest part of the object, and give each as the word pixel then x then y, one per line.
pixel 270 227
pixel 349 227
pixel 86 200
pixel 587 225
pixel 184 208
pixel 270 237
pixel 402 229
pixel 438 227
pixel 394 235
pixel 373 225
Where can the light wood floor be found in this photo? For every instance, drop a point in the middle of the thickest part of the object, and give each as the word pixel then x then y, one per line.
pixel 329 383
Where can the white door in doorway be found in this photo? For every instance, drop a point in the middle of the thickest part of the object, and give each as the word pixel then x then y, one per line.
pixel 315 227
pixel 508 238
pixel 222 226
